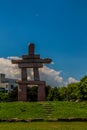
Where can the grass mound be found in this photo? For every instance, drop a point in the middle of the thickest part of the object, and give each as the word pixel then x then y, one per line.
pixel 43 110
pixel 21 110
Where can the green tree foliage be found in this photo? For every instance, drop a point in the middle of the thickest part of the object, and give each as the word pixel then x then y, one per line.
pixel 3 97
pixel 47 90
pixel 72 91
pixel 63 94
pixel 13 95
pixel 53 94
pixel 83 88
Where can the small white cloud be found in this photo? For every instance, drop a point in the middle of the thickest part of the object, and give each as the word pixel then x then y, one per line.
pixel 72 80
pixel 13 57
pixel 52 63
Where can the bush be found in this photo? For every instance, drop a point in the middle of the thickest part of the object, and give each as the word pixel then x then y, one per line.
pixel 13 95
pixel 3 97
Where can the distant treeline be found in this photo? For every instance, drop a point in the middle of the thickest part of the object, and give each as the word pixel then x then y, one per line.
pixel 71 92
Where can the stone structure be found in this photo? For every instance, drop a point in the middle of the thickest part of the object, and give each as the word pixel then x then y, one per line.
pixel 31 61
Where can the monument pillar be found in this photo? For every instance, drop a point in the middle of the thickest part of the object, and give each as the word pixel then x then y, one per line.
pixel 36 74
pixel 22 88
pixel 31 50
pixel 41 92
pixel 23 74
pixel 22 92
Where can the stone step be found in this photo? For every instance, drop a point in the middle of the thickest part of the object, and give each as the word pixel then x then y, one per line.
pixel 47 107
pixel 48 110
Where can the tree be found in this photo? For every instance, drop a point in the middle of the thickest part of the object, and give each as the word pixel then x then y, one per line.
pixel 63 94
pixel 83 88
pixel 47 90
pixel 53 94
pixel 72 91
pixel 13 95
pixel 3 97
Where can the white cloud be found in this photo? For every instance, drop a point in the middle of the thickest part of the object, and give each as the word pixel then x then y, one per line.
pixel 13 57
pixel 47 74
pixel 72 80
pixel 9 69
pixel 51 76
pixel 52 63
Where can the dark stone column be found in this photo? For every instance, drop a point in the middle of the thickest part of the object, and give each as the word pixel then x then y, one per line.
pixel 22 88
pixel 22 92
pixel 41 92
pixel 31 49
pixel 36 74
pixel 23 74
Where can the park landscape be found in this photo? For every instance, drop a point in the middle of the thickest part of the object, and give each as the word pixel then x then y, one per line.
pixel 45 91
pixel 43 107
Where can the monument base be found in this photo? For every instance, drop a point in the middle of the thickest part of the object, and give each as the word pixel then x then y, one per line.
pixel 22 90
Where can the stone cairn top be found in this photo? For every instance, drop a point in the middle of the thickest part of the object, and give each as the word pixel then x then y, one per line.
pixel 31 60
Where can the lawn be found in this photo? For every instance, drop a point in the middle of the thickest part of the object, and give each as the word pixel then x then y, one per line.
pixel 45 110
pixel 68 109
pixel 44 126
pixel 21 110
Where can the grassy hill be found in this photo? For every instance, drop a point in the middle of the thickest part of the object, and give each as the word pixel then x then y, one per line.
pixel 46 110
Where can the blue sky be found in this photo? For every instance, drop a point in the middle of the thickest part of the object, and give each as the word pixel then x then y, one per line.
pixel 57 27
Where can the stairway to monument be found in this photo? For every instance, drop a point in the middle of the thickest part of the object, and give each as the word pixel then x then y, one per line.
pixel 48 110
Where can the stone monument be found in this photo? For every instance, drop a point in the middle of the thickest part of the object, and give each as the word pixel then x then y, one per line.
pixel 31 61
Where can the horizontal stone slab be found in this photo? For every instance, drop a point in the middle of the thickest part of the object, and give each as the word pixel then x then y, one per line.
pixel 44 61
pixel 30 65
pixel 31 82
pixel 16 61
pixel 31 56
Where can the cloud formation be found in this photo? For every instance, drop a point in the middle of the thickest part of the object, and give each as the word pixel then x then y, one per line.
pixel 51 76
pixel 72 80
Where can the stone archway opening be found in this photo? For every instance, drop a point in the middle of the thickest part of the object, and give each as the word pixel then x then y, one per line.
pixel 32 93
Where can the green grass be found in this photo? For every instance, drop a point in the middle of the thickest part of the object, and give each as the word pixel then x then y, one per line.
pixel 21 110
pixel 44 126
pixel 24 110
pixel 68 109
